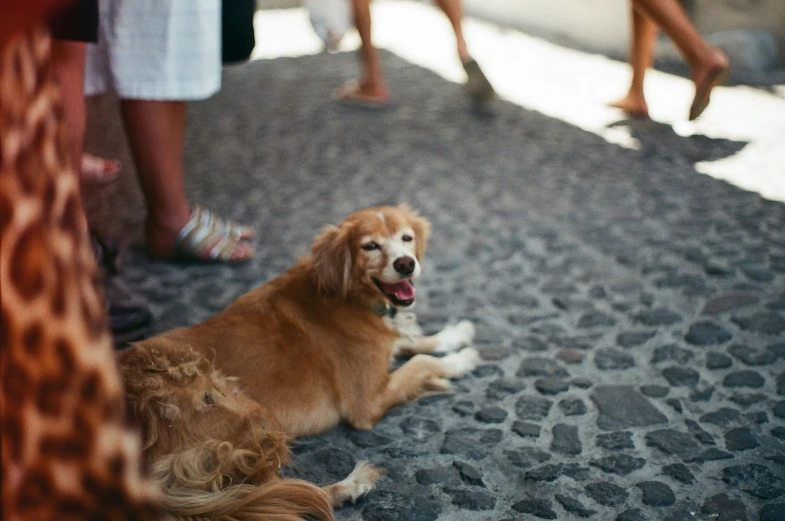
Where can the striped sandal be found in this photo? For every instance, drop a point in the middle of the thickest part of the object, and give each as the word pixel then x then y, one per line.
pixel 209 238
pixel 202 217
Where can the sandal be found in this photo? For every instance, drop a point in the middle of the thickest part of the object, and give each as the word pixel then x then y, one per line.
pixel 204 218
pixel 209 238
pixel 477 86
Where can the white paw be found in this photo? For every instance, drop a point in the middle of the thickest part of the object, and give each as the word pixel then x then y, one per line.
pixel 458 364
pixel 362 480
pixel 454 337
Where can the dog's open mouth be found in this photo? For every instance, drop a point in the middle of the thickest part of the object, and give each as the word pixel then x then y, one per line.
pixel 399 293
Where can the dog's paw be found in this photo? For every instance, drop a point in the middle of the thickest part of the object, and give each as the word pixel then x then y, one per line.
pixel 362 480
pixel 437 386
pixel 461 363
pixel 454 337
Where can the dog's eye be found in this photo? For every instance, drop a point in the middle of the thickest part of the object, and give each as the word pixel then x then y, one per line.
pixel 406 238
pixel 209 399
pixel 368 246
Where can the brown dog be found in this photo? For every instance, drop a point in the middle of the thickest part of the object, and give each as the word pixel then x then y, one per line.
pixel 314 345
pixel 213 452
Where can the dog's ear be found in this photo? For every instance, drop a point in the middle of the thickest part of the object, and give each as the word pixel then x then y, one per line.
pixel 332 260
pixel 421 228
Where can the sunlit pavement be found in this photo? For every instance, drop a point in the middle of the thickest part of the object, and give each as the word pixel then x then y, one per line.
pixel 569 85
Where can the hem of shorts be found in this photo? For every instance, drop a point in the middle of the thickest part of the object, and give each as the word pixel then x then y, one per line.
pixel 157 94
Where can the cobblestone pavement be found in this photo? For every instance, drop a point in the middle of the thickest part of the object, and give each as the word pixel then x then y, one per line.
pixel 630 311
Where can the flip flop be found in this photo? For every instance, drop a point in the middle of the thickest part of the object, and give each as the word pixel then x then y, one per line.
pixel 349 95
pixel 703 91
pixel 98 171
pixel 477 86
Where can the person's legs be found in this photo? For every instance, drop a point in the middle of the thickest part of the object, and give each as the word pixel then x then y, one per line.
pixel 69 68
pixel 68 64
pixel 370 87
pixel 708 65
pixel 156 133
pixel 644 33
pixel 452 9
pixel 477 85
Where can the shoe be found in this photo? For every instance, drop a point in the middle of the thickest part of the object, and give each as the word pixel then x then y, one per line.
pixel 106 253
pixel 231 230
pixel 127 318
pixel 209 238
pixel 129 323
pixel 477 86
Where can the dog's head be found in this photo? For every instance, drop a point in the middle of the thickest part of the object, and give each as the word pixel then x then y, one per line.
pixel 373 256
pixel 190 412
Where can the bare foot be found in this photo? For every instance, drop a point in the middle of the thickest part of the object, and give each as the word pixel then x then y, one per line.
pixel 632 104
pixel 363 93
pixel 712 71
pixel 97 170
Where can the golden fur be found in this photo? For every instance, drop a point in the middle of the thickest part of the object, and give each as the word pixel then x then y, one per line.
pixel 310 348
pixel 213 452
pixel 313 345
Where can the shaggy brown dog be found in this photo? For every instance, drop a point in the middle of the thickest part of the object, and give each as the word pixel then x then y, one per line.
pixel 215 453
pixel 313 346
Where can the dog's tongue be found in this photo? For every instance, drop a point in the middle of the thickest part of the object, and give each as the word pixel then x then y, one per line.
pixel 402 290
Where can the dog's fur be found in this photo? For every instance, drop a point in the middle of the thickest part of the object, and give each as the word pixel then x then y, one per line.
pixel 213 452
pixel 312 346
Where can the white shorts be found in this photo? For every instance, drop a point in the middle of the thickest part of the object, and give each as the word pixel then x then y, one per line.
pixel 156 50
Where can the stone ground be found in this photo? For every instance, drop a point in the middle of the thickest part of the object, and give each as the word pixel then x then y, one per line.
pixel 630 311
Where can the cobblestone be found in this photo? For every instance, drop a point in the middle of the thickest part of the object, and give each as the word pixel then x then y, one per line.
pixel 644 299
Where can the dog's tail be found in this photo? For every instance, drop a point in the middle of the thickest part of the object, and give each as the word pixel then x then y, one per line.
pixel 279 500
pixel 221 482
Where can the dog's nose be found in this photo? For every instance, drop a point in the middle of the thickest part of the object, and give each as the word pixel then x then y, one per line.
pixel 404 265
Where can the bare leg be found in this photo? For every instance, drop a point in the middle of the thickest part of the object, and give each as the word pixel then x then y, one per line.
pixel 477 85
pixel 371 86
pixel 156 132
pixel 69 64
pixel 708 65
pixel 452 9
pixel 644 32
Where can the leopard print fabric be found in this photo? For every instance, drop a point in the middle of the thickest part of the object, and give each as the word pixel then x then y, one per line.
pixel 66 453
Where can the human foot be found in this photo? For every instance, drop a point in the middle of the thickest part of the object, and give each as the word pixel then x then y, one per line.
pixel 364 94
pixel 97 170
pixel 204 237
pixel 634 105
pixel 713 71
